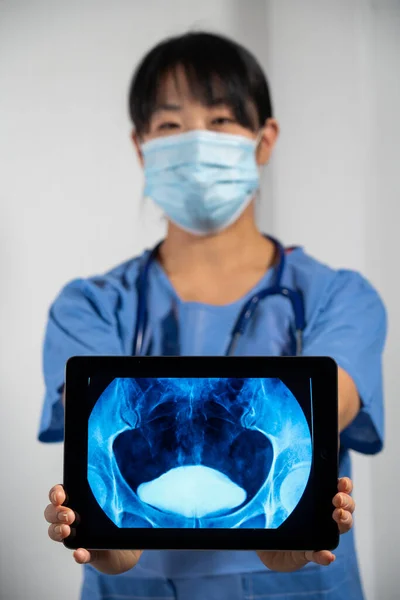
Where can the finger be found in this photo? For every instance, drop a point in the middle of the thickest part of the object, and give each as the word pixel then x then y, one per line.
pixel 323 557
pixel 344 519
pixel 344 501
pixel 58 533
pixel 57 495
pixel 58 515
pixel 83 556
pixel 345 485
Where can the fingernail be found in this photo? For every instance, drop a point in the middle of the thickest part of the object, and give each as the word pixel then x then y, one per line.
pixel 341 501
pixel 54 497
pixel 63 516
pixel 58 529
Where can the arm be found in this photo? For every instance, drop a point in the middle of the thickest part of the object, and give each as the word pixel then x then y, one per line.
pixel 80 322
pixel 350 326
pixel 349 400
pixel 348 323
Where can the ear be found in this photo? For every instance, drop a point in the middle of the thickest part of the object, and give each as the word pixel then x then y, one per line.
pixel 270 133
pixel 136 143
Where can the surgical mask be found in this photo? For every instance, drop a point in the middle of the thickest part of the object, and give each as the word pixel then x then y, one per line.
pixel 202 180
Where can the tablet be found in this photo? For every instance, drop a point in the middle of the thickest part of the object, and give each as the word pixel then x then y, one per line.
pixel 201 452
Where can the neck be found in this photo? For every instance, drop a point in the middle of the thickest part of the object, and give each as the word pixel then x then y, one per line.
pixel 238 247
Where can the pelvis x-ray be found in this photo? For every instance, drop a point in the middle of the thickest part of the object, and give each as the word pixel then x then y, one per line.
pixel 198 452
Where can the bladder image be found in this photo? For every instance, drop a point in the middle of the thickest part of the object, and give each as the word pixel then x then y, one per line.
pixel 198 452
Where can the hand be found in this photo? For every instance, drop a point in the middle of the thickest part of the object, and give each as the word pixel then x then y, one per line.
pixel 112 562
pixel 285 561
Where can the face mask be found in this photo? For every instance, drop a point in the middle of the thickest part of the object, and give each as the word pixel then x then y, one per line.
pixel 202 180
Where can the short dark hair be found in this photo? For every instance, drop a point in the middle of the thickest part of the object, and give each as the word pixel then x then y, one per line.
pixel 213 64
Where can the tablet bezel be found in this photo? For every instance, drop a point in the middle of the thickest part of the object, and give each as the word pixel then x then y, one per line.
pixel 322 533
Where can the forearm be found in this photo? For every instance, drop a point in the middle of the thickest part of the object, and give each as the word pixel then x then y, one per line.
pixel 349 400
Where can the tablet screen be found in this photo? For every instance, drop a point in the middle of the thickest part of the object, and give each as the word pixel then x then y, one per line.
pixel 199 452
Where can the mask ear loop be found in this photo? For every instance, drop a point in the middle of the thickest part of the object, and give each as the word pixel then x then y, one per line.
pixel 259 138
pixel 259 168
pixel 257 146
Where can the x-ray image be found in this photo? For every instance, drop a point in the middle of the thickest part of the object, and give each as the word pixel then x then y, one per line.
pixel 198 452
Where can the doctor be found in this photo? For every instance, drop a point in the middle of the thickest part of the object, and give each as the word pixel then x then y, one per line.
pixel 203 128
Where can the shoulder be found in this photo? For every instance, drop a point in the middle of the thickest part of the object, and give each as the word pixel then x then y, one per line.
pixel 101 292
pixel 325 288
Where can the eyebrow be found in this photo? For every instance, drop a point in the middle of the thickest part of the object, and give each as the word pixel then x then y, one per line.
pixel 219 102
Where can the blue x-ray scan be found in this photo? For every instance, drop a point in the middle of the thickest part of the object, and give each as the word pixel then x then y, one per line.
pixel 198 452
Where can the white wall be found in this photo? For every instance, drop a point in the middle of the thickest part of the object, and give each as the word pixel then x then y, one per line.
pixel 335 73
pixel 70 197
pixel 68 171
pixel 382 231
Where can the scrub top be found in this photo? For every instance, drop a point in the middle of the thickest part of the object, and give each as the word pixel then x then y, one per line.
pixel 345 319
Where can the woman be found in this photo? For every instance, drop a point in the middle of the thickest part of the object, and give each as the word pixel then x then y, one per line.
pixel 203 128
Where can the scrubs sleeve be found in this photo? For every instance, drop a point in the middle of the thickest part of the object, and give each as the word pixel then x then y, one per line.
pixel 350 327
pixel 81 322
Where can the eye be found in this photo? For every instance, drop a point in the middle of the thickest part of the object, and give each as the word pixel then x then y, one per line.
pixel 167 126
pixel 223 121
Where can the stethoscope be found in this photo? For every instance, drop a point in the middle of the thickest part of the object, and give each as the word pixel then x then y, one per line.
pixel 246 314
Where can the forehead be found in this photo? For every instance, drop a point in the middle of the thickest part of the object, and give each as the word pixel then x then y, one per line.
pixel 177 84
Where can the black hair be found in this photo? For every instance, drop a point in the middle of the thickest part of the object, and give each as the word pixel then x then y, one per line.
pixel 214 65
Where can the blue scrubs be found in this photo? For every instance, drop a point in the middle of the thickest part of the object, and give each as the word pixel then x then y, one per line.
pixel 345 320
